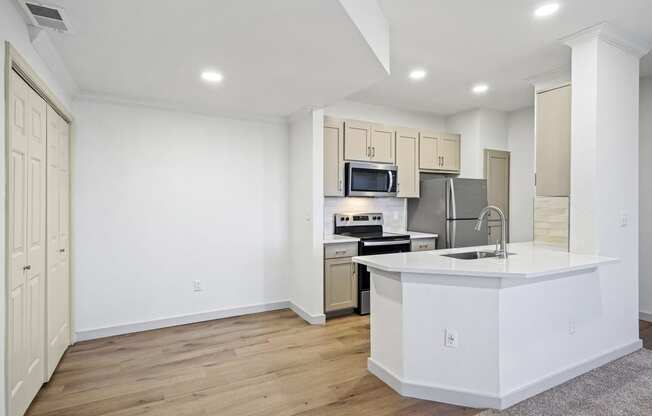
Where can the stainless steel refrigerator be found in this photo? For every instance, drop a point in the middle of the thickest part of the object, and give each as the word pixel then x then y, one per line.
pixel 450 207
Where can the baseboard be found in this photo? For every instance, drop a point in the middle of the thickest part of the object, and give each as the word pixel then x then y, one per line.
pixel 311 319
pixel 433 393
pixel 481 400
pixel 645 316
pixel 569 373
pixel 88 334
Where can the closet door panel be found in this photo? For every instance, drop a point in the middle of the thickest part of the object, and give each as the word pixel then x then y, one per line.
pixel 26 219
pixel 58 288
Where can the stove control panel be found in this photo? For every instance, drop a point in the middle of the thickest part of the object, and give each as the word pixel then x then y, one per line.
pixel 346 220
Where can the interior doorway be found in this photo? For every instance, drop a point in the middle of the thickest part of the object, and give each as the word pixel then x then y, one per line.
pixel 496 172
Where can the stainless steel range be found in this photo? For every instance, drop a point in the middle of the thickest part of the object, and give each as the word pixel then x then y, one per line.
pixel 368 227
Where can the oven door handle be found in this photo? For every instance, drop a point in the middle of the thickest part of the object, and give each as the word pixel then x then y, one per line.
pixel 384 243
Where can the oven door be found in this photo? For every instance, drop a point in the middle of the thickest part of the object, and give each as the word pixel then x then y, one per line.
pixel 370 179
pixel 364 281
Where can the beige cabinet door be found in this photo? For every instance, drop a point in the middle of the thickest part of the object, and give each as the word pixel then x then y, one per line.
pixel 357 140
pixel 428 159
pixel 26 243
pixel 58 276
pixel 553 130
pixel 340 284
pixel 448 151
pixel 333 157
pixel 382 144
pixel 407 160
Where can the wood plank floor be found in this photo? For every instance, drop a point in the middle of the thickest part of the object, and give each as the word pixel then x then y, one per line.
pixel 264 364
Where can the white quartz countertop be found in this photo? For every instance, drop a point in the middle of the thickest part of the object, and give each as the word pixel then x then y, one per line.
pixel 529 260
pixel 414 235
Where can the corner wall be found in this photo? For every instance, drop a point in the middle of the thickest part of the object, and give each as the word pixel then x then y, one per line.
pixel 520 139
pixel 306 207
pixel 645 201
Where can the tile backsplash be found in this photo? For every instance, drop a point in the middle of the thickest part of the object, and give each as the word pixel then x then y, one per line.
pixel 394 211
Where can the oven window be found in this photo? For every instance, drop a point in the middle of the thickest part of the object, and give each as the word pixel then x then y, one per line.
pixel 369 180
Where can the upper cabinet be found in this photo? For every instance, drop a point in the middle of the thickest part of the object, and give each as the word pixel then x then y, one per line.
pixel 407 160
pixel 409 149
pixel 368 142
pixel 382 144
pixel 357 142
pixel 333 157
pixel 553 131
pixel 439 152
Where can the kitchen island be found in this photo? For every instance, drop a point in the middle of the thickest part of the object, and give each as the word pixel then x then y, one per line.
pixel 490 332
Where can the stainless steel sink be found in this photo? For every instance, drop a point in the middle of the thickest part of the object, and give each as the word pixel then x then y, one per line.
pixel 473 255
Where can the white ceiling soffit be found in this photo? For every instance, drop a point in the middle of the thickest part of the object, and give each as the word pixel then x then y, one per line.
pixel 371 22
pixel 276 56
pixel 463 42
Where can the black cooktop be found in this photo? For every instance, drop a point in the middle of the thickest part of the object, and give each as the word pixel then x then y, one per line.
pixel 373 235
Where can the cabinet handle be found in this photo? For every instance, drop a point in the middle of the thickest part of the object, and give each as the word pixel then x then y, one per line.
pixel 340 251
pixel 368 151
pixel 28 267
pixel 339 185
pixel 62 250
pixel 373 151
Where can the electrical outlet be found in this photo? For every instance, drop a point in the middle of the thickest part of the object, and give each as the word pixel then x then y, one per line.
pixel 196 286
pixel 451 338
pixel 624 219
pixel 571 327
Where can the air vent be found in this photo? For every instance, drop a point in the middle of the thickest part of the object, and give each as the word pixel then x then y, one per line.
pixel 48 17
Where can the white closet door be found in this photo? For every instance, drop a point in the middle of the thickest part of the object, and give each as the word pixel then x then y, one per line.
pixel 26 237
pixel 58 283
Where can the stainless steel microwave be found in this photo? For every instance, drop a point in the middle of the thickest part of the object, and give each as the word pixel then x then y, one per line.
pixel 370 179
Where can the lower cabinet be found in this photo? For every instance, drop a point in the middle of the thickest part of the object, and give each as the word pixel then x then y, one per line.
pixel 340 277
pixel 340 284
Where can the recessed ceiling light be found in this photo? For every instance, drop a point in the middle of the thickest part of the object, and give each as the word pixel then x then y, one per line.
pixel 212 76
pixel 480 88
pixel 418 74
pixel 546 10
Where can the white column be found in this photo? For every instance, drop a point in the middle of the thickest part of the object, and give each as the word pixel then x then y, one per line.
pixel 604 209
pixel 604 143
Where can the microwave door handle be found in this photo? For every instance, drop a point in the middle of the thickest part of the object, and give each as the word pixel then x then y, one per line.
pixel 391 180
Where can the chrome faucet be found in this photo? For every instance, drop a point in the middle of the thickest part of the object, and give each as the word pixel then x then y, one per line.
pixel 502 250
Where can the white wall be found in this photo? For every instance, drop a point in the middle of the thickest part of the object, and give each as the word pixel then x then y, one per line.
pixel 480 129
pixel 306 204
pixel 14 30
pixel 520 140
pixel 386 115
pixel 645 201
pixel 165 198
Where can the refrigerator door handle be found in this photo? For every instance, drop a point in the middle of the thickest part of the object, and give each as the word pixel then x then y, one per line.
pixel 452 196
pixel 453 234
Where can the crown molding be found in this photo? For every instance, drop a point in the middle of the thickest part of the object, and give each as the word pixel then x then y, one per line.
pixel 176 107
pixel 608 33
pixel 554 78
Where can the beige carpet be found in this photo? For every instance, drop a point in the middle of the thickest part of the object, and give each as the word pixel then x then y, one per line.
pixel 620 388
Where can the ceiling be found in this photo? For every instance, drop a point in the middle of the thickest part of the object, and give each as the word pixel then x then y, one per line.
pixel 462 42
pixel 276 56
pixel 281 55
